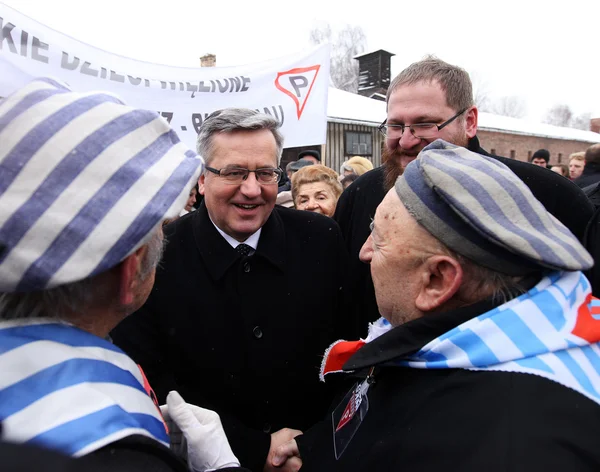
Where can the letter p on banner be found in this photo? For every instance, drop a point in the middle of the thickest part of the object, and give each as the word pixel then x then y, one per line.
pixel 297 84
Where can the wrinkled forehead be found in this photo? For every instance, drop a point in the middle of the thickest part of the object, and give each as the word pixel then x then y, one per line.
pixel 243 148
pixel 392 213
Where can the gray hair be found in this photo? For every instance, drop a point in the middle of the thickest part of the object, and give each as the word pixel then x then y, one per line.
pixel 487 282
pixel 75 297
pixel 236 119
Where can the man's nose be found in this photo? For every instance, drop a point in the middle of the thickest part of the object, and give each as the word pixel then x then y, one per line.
pixel 250 187
pixel 366 252
pixel 408 140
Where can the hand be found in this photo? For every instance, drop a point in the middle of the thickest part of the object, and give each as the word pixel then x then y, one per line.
pixel 288 456
pixel 207 445
pixel 289 463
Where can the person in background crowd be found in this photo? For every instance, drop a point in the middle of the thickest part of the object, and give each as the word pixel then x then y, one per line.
pixel 237 320
pixel 432 99
pixel 81 239
pixel 486 355
pixel 357 165
pixel 191 201
pixel 347 180
pixel 591 170
pixel 561 169
pixel 576 164
pixel 290 169
pixel 284 194
pixel 317 189
pixel 541 157
pixel 310 155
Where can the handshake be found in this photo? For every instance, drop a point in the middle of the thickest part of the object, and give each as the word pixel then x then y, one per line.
pixel 196 435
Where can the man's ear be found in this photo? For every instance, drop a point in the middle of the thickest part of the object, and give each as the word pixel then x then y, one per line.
pixel 471 116
pixel 441 277
pixel 129 270
pixel 201 184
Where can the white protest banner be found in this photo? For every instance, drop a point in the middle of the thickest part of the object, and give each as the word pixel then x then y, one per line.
pixel 292 89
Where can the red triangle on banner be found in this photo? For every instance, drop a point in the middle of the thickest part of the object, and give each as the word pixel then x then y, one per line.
pixel 297 84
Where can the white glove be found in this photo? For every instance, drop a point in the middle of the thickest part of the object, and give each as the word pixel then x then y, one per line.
pixel 207 445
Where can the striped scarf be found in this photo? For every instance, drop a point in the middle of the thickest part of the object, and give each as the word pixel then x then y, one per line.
pixel 65 389
pixel 551 331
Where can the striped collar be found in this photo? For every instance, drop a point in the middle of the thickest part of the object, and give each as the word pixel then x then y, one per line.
pixel 551 331
pixel 68 390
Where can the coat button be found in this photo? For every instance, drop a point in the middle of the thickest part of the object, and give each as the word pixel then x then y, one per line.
pixel 246 267
pixel 267 428
pixel 257 332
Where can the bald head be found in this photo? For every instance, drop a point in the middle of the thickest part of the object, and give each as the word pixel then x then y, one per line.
pixel 593 154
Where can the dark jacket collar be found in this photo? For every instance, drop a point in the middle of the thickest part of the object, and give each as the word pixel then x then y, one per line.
pixel 591 168
pixel 412 336
pixel 475 147
pixel 218 254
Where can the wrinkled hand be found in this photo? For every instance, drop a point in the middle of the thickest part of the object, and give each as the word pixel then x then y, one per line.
pixel 281 455
pixel 198 433
pixel 287 456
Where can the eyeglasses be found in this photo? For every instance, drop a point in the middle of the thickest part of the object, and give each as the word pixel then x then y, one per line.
pixel 419 130
pixel 236 175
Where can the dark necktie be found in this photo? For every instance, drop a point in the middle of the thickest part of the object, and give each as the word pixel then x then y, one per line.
pixel 244 250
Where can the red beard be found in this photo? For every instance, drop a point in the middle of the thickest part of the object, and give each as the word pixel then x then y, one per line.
pixel 392 167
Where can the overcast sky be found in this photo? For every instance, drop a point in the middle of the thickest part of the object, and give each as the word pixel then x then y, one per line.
pixel 548 52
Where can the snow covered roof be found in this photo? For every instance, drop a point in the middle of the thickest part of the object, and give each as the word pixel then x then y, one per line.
pixel 490 122
pixel 346 107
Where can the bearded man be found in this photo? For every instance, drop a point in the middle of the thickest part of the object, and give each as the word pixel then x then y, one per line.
pixel 431 100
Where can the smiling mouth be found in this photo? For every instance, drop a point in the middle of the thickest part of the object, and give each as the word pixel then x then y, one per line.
pixel 245 207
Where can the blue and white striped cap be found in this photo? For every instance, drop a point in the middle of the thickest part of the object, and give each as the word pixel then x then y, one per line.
pixel 84 182
pixel 480 209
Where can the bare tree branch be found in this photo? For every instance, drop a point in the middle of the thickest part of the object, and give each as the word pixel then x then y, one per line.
pixel 582 121
pixel 512 106
pixel 481 92
pixel 349 42
pixel 559 115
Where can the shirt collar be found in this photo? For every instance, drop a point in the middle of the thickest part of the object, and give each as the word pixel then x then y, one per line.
pixel 252 240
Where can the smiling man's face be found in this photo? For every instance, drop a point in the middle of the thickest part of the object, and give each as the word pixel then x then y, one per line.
pixel 240 210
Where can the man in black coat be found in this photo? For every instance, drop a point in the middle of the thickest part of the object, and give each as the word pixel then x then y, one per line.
pixel 247 297
pixel 432 99
pixel 591 171
pixel 487 355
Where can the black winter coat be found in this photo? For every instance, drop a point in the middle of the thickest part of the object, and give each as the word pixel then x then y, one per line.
pixel 589 176
pixel 356 209
pixel 244 335
pixel 132 454
pixel 455 419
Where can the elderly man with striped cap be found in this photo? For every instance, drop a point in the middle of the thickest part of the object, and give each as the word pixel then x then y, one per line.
pixel 85 185
pixel 487 354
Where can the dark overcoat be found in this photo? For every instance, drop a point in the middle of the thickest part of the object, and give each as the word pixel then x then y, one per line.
pixel 244 335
